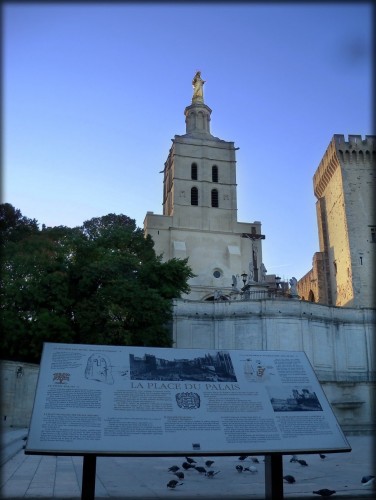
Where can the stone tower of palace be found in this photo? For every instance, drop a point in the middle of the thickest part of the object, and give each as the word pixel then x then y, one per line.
pixel 343 272
pixel 199 218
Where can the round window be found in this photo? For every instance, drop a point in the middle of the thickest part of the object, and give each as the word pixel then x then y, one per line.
pixel 217 274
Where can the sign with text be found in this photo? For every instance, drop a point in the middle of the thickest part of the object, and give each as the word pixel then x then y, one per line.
pixel 161 401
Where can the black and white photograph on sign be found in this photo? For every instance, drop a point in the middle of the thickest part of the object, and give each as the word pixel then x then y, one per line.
pixel 293 399
pixel 215 367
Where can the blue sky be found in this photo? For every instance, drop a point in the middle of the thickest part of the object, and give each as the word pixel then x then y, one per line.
pixel 94 93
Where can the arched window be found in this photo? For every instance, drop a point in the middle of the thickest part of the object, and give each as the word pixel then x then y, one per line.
pixel 194 171
pixel 214 173
pixel 194 196
pixel 214 198
pixel 311 296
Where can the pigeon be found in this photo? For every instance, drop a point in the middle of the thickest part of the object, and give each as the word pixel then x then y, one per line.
pixel 200 469
pixel 324 492
pixel 293 459
pixel 174 468
pixel 255 460
pixel 211 473
pixel 303 462
pixel 209 463
pixel 243 457
pixel 289 479
pixel 239 468
pixel 180 475
pixel 322 456
pixel 190 460
pixel 366 480
pixel 252 469
pixel 187 466
pixel 173 483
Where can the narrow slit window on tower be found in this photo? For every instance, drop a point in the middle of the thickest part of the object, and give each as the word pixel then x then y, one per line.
pixel 194 196
pixel 373 234
pixel 214 198
pixel 214 173
pixel 194 171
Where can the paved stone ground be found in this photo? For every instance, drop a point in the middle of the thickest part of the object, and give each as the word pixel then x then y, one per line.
pixel 35 476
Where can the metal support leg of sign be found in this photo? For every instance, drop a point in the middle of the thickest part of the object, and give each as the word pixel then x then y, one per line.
pixel 273 477
pixel 88 477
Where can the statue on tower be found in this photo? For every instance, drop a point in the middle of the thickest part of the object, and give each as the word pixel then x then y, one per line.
pixel 198 87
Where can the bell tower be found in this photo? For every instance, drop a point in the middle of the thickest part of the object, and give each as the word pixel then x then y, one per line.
pixel 200 206
pixel 199 186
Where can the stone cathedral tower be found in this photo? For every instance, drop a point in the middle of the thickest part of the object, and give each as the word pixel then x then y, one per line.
pixel 343 272
pixel 199 218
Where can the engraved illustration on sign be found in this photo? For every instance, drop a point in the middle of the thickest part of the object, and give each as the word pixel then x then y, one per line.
pixel 61 378
pixel 188 400
pixel 98 368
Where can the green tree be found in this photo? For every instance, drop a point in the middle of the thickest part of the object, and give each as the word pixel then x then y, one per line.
pixel 35 297
pixel 13 225
pixel 100 283
pixel 123 291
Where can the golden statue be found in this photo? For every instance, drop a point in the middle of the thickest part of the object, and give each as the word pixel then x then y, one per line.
pixel 198 90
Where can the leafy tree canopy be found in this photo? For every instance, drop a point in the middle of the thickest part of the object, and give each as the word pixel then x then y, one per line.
pixel 100 283
pixel 13 225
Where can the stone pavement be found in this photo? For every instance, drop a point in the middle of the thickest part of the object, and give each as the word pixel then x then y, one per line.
pixel 38 476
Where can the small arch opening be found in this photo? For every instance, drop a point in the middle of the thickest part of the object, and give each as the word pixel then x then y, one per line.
pixel 194 196
pixel 194 171
pixel 214 198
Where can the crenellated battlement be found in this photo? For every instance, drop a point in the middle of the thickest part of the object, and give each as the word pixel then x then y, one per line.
pixel 355 150
pixel 355 142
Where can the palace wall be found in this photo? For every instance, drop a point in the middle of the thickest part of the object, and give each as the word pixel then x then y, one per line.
pixel 339 343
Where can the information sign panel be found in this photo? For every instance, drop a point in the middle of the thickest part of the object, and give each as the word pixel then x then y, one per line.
pixel 110 400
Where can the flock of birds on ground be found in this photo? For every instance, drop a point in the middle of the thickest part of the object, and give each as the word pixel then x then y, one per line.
pixel 187 465
pixel 207 471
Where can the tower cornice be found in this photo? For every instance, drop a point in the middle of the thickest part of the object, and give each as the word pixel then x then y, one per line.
pixel 326 169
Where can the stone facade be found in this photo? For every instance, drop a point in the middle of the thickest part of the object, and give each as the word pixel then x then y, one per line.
pixel 345 186
pixel 339 342
pixel 312 286
pixel 199 220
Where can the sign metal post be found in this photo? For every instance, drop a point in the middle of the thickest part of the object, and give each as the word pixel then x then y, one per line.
pixel 88 477
pixel 273 477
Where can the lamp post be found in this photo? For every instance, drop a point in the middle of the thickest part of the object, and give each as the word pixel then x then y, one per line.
pixel 245 289
pixel 244 278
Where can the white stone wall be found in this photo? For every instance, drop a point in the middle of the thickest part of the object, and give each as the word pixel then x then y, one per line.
pixel 339 342
pixel 18 384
